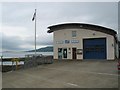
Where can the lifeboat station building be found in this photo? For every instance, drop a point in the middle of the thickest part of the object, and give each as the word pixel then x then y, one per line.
pixel 84 41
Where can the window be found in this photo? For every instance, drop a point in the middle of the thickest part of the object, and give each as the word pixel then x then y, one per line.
pixel 73 33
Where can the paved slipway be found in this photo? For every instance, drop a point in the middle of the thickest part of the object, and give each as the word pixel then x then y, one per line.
pixel 65 74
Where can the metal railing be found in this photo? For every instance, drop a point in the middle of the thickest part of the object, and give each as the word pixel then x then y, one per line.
pixel 32 60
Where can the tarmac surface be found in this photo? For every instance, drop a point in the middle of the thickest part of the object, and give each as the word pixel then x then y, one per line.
pixel 65 74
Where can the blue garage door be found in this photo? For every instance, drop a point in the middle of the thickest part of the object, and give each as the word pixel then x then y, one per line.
pixel 94 48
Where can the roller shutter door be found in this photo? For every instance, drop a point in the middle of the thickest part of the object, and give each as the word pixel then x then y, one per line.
pixel 94 48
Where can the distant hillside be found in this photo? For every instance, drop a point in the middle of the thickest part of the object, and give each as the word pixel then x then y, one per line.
pixel 45 49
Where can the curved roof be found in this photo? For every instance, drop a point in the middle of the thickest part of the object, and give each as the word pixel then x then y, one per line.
pixel 83 26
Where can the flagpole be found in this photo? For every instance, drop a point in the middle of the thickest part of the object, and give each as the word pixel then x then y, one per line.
pixel 35 30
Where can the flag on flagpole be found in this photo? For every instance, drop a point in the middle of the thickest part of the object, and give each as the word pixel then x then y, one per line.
pixel 34 15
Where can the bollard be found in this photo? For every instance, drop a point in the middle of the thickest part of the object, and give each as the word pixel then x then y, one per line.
pixel 15 60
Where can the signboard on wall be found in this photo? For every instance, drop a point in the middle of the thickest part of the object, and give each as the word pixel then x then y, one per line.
pixel 74 41
pixel 79 51
pixel 67 41
pixel 59 42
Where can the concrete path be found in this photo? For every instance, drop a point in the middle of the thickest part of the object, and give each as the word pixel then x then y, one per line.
pixel 65 74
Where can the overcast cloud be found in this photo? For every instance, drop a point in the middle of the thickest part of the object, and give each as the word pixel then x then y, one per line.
pixel 18 29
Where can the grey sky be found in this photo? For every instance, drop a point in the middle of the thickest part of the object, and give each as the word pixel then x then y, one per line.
pixel 18 29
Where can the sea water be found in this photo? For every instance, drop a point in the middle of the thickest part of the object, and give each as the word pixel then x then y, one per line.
pixel 22 54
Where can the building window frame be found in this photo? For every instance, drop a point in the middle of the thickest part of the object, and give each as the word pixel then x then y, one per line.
pixel 74 34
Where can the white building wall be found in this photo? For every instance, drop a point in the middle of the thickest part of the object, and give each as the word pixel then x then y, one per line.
pixel 110 47
pixel 117 50
pixel 66 34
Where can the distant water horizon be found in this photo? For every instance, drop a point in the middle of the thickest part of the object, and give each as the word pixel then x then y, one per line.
pixel 21 54
pixel 10 63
